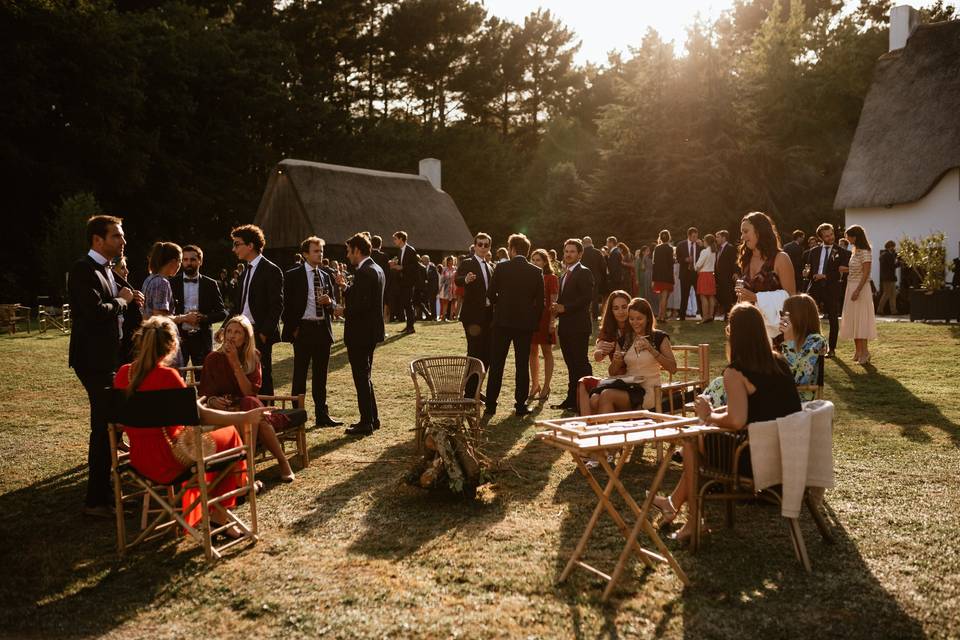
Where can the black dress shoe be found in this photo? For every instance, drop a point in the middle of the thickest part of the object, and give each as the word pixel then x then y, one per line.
pixel 103 511
pixel 523 410
pixel 563 405
pixel 359 429
pixel 376 425
pixel 327 421
pixel 490 410
pixel 830 354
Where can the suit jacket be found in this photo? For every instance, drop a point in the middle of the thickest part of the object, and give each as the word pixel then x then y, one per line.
pixel 266 298
pixel 593 259
pixel 363 313
pixel 576 294
pixel 516 292
pixel 209 302
pixel 296 282
pixel 795 251
pixel 687 270
pixel 381 259
pixel 410 272
pixel 95 336
pixel 838 257
pixel 726 266
pixel 474 309
pixel 433 281
pixel 614 269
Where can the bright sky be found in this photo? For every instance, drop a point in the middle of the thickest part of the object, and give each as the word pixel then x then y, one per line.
pixel 603 25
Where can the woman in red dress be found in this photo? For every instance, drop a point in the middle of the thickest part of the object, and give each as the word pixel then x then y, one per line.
pixel 231 380
pixel 546 334
pixel 156 343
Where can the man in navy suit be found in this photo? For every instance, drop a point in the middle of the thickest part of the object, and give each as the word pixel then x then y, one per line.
pixel 363 328
pixel 98 300
pixel 516 291
pixel 826 262
pixel 198 301
pixel 307 310
pixel 259 296
pixel 474 274
pixel 687 253
pixel 407 267
pixel 574 325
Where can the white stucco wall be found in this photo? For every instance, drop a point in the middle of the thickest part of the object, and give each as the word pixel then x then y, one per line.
pixel 939 210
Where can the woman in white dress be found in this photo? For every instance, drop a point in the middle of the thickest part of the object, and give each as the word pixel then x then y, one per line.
pixel 858 322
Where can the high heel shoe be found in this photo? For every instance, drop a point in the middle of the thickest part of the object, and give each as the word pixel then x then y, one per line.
pixel 544 395
pixel 865 361
pixel 533 395
pixel 668 512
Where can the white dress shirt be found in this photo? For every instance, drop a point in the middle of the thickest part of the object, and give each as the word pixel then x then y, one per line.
pixel 247 279
pixel 191 300
pixel 310 312
pixel 567 274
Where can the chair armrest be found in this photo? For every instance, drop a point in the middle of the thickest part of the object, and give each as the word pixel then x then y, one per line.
pixel 283 399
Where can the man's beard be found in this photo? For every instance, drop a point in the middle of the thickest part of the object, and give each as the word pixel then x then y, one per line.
pixel 190 273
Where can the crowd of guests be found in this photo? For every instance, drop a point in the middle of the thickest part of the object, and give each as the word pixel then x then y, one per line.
pixel 510 296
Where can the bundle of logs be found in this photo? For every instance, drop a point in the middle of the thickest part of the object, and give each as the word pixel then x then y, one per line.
pixel 449 461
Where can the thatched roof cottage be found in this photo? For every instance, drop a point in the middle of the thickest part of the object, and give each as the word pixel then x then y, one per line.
pixel 334 202
pixel 902 176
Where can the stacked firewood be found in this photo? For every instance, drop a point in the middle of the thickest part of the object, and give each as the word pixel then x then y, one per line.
pixel 449 461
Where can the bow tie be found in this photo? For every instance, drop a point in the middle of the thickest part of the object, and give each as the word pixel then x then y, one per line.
pixel 197 279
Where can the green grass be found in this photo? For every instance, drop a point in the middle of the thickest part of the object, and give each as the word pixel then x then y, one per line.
pixel 349 551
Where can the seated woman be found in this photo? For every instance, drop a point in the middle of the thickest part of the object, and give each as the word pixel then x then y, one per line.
pixel 759 386
pixel 231 380
pixel 151 449
pixel 800 343
pixel 635 370
pixel 615 334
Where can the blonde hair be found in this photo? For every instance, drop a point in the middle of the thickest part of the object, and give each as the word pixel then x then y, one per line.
pixel 154 343
pixel 248 352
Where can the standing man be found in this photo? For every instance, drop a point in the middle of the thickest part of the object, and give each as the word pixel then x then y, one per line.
pixel 888 277
pixel 382 261
pixel 574 326
pixel 408 269
pixel 98 301
pixel 614 265
pixel 593 259
pixel 725 272
pixel 687 253
pixel 259 296
pixel 476 312
pixel 795 249
pixel 307 310
pixel 198 305
pixel 516 291
pixel 825 263
pixel 433 287
pixel 363 328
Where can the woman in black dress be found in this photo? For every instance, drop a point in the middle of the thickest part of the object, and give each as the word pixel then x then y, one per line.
pixel 759 386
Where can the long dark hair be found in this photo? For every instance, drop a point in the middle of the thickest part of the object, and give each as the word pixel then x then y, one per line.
pixel 748 347
pixel 859 237
pixel 768 240
pixel 608 325
pixel 641 305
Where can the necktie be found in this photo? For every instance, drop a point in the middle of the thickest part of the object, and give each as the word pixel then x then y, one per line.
pixel 317 292
pixel 246 285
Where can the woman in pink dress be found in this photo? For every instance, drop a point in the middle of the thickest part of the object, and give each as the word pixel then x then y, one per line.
pixel 546 334
pixel 858 322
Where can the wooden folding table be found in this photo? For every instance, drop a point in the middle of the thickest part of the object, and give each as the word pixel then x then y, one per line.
pixel 618 434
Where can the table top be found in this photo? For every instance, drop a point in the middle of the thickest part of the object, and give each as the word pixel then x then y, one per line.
pixel 616 430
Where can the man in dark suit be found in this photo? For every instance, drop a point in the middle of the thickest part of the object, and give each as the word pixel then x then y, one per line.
pixel 363 328
pixel 307 311
pixel 516 292
pixel 687 253
pixel 614 265
pixel 408 269
pixel 825 271
pixel 382 261
pixel 795 249
pixel 259 296
pixel 474 274
pixel 98 300
pixel 198 304
pixel 725 271
pixel 420 291
pixel 888 277
pixel 593 259
pixel 574 326
pixel 433 287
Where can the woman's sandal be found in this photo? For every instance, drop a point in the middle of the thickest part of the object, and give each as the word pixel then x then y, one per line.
pixel 544 395
pixel 668 513
pixel 534 394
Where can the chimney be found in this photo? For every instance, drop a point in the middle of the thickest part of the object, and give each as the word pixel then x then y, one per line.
pixel 903 20
pixel 430 169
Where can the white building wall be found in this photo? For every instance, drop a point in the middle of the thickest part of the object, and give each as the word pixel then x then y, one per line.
pixel 939 210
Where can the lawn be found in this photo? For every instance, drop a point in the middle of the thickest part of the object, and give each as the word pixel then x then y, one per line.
pixel 350 551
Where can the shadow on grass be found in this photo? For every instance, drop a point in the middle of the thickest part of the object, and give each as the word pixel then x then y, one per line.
pixel 283 369
pixel 885 399
pixel 745 581
pixel 61 574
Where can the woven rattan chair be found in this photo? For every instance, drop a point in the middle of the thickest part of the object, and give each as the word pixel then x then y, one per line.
pixel 720 480
pixel 440 384
pixel 152 409
pixel 675 396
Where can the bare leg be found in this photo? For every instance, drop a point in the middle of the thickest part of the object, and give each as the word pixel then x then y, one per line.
pixel 268 437
pixel 534 362
pixel 547 368
pixel 613 400
pixel 443 308
pixel 584 400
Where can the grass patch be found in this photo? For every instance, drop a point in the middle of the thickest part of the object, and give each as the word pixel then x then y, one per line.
pixel 349 551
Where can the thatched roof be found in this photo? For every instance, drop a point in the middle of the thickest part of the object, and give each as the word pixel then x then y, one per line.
pixel 334 202
pixel 909 130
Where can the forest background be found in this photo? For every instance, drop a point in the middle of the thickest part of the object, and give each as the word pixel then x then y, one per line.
pixel 171 114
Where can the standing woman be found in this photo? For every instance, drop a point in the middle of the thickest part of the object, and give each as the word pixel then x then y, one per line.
pixel 546 334
pixel 765 268
pixel 706 281
pixel 448 298
pixel 663 261
pixel 858 321
pixel 645 278
pixel 629 272
pixel 164 262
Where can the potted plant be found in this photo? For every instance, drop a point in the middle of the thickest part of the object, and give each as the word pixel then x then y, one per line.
pixel 928 257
